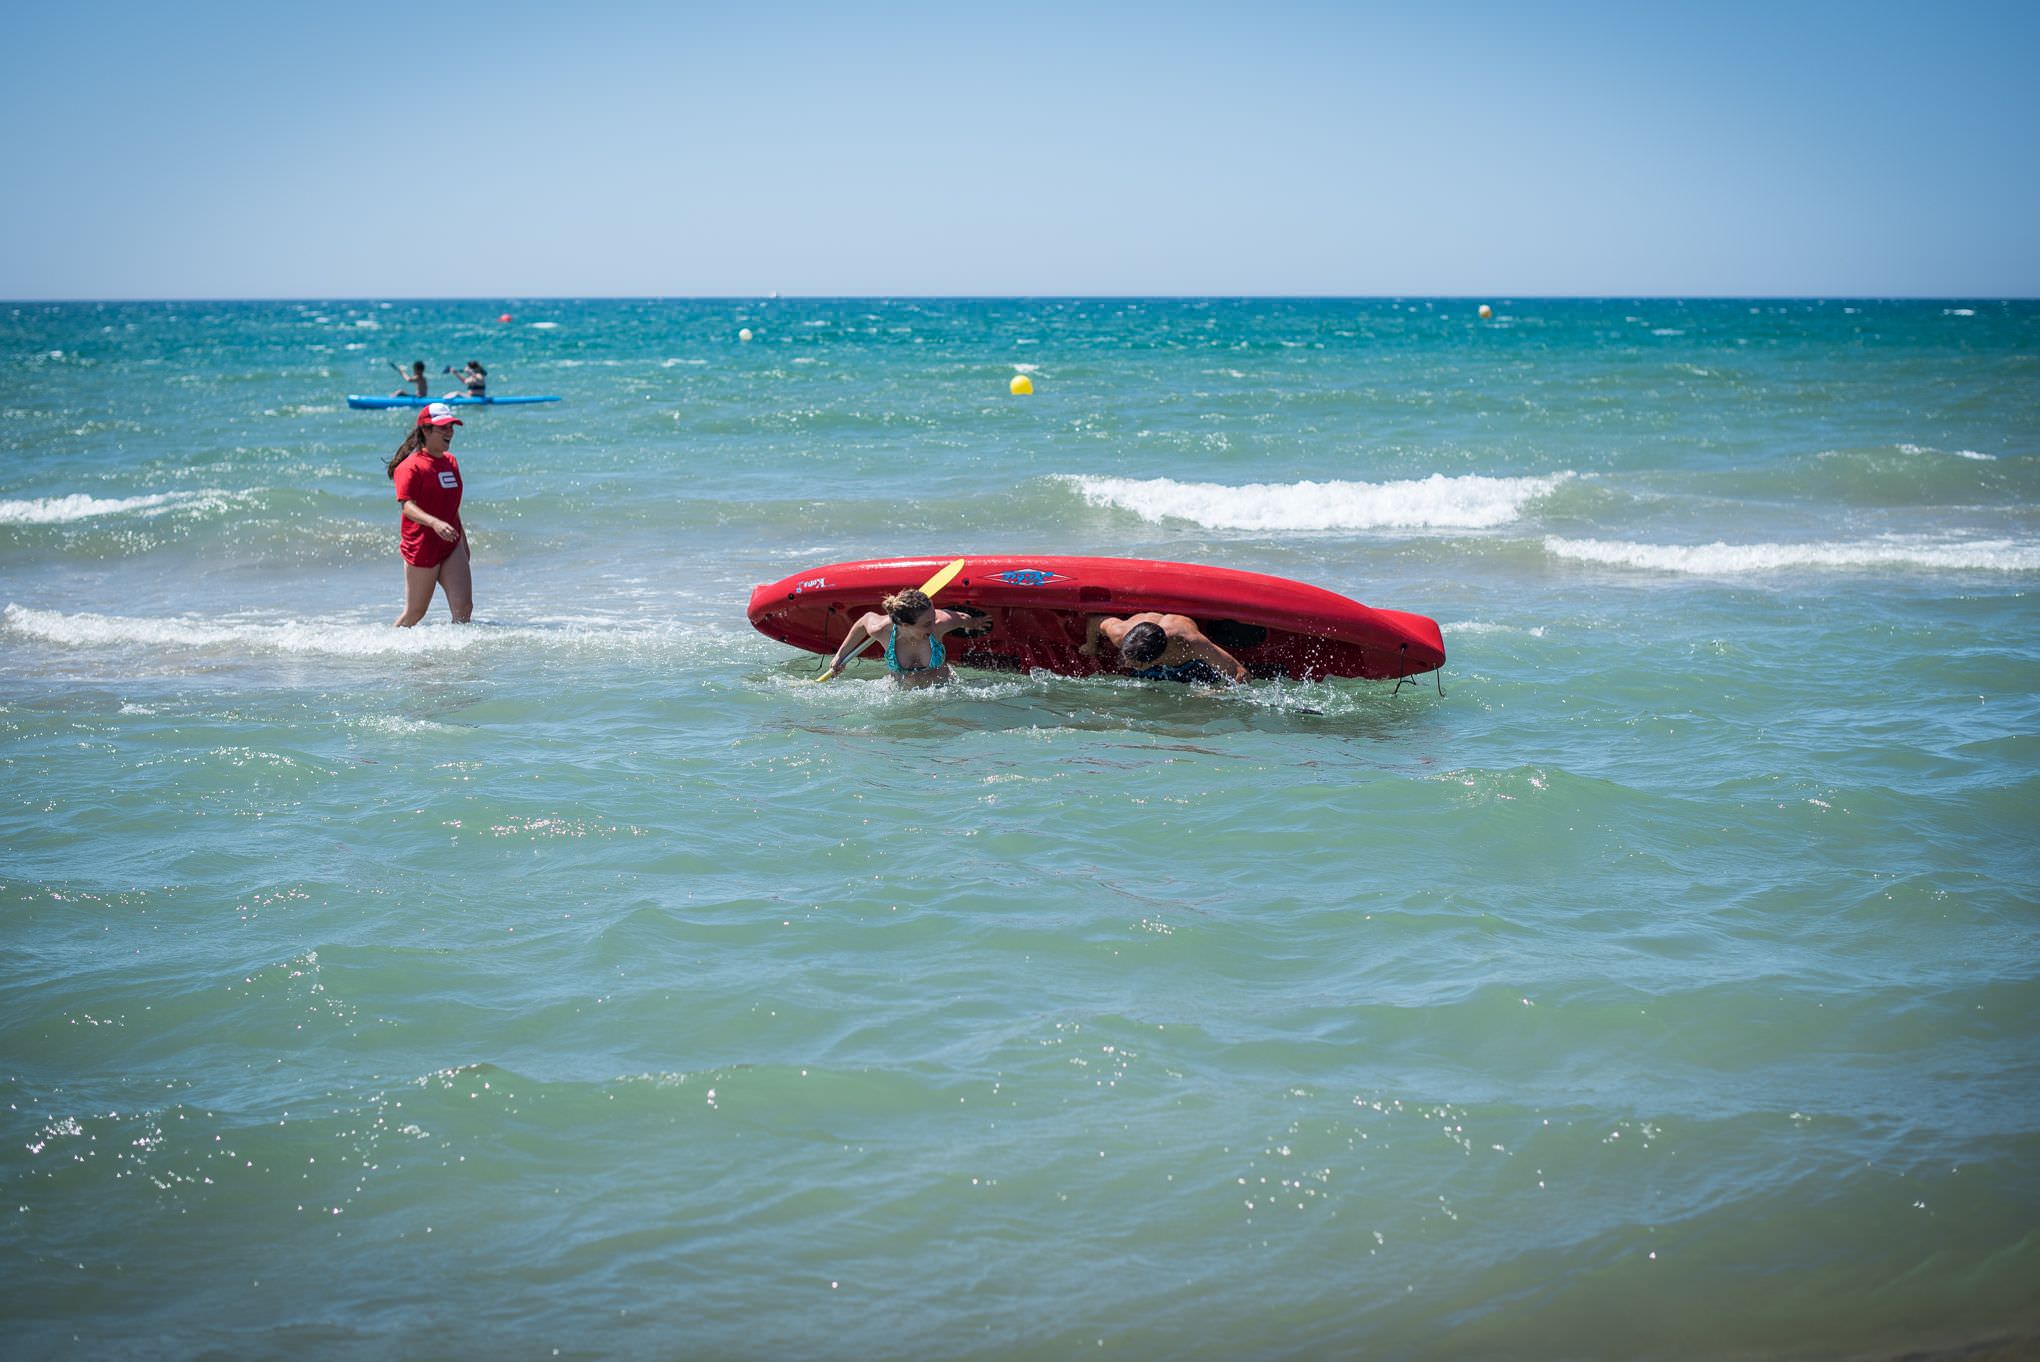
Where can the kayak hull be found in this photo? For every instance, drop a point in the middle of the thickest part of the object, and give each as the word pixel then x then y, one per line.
pixel 1039 605
pixel 361 402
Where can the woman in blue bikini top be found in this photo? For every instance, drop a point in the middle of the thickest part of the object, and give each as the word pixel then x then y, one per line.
pixel 912 628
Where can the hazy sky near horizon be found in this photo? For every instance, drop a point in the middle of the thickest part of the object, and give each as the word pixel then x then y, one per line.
pixel 229 150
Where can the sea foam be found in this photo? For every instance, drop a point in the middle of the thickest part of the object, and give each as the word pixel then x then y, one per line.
pixel 1468 502
pixel 1721 559
pixel 1957 453
pixel 79 506
pixel 333 638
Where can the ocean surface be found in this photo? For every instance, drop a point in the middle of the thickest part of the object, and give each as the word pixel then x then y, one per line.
pixel 1660 982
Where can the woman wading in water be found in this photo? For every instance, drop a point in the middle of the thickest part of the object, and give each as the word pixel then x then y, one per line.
pixel 912 629
pixel 433 543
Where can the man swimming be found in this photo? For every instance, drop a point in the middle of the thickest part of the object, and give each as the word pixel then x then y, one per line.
pixel 1158 647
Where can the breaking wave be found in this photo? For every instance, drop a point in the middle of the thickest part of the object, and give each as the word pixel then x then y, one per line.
pixel 331 638
pixel 78 506
pixel 1469 502
pixel 1722 559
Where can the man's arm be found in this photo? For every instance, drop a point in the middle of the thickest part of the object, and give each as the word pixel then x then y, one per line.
pixel 1094 629
pixel 969 623
pixel 1217 658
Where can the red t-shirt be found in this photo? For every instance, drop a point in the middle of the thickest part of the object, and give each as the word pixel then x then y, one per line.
pixel 435 485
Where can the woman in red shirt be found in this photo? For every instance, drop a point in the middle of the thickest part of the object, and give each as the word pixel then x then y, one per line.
pixel 434 544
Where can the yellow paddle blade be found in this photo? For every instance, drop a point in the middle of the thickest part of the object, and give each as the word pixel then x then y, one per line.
pixel 942 578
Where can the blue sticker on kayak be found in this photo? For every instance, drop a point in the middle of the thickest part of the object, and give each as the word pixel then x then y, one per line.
pixel 1028 577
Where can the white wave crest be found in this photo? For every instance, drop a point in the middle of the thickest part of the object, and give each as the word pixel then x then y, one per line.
pixel 1491 627
pixel 1957 453
pixel 79 506
pixel 1469 502
pixel 331 638
pixel 1720 559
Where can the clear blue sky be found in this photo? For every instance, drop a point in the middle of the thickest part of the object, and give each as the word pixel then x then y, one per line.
pixel 513 150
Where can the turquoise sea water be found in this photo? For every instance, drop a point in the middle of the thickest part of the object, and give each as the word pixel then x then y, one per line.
pixel 584 983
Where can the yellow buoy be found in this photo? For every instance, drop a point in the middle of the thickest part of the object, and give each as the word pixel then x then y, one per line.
pixel 1021 386
pixel 1486 312
pixel 744 334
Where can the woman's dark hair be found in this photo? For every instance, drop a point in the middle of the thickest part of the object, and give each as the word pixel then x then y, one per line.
pixel 413 442
pixel 1143 643
pixel 476 366
pixel 906 606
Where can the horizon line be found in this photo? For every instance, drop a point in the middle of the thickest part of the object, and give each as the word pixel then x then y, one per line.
pixel 1041 297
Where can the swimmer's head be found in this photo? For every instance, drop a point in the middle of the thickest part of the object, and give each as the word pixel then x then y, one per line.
pixel 907 607
pixel 1143 643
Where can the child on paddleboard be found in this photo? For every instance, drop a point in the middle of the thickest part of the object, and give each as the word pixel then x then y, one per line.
pixel 475 378
pixel 433 543
pixel 912 629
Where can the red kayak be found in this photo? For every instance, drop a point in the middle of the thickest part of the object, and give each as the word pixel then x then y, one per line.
pixel 1038 607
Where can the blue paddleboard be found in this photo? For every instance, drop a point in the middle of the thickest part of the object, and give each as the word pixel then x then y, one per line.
pixel 383 403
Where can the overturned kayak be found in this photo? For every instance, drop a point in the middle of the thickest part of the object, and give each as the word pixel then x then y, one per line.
pixel 363 403
pixel 1039 608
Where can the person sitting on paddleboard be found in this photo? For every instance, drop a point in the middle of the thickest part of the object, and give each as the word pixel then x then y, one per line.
pixel 476 378
pixel 912 629
pixel 1157 647
pixel 434 543
pixel 416 380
